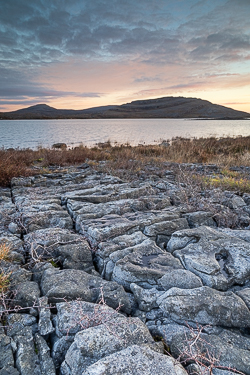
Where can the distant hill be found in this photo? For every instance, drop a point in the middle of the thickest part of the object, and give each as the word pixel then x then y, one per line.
pixel 168 107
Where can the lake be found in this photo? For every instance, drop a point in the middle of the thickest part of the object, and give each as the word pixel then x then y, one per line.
pixel 34 133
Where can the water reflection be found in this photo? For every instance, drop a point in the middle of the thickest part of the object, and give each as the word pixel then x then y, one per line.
pixel 33 133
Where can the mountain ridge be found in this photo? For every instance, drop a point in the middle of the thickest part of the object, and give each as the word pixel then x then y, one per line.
pixel 165 107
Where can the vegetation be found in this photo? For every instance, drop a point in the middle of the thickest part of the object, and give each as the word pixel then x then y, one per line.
pixel 129 162
pixel 4 277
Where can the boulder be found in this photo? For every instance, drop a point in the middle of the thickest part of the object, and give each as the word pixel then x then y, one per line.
pixel 6 354
pixel 211 350
pixel 144 265
pixel 63 246
pixel 205 306
pixel 27 293
pixel 179 278
pixel 61 285
pixel 94 343
pixel 217 258
pixel 136 360
pixel 198 218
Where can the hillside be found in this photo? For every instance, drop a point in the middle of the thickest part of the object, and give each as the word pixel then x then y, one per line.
pixel 167 107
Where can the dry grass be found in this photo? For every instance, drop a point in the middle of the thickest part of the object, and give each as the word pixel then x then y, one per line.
pixel 4 282
pixel 4 252
pixel 125 159
pixel 4 278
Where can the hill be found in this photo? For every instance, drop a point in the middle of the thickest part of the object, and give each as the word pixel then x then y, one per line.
pixel 167 107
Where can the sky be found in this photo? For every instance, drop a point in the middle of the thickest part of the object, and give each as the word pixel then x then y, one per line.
pixel 78 54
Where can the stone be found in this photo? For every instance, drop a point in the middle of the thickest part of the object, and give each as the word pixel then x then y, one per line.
pixel 109 252
pixel 6 355
pixel 17 322
pixel 225 354
pixel 98 230
pixel 167 332
pixel 166 227
pixel 136 360
pixel 94 343
pixel 218 259
pixel 198 218
pixel 205 306
pixel 61 245
pixel 33 221
pixel 144 265
pixel 9 371
pixel 45 326
pixel 146 298
pixel 235 202
pixel 27 362
pixel 27 293
pixel 179 278
pixel 61 146
pixel 46 363
pixel 113 295
pixel 245 295
pixel 61 285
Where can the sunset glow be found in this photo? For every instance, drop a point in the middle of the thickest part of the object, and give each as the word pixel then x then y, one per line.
pixel 81 54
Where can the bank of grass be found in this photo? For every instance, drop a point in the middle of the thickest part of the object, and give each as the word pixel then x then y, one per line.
pixel 130 161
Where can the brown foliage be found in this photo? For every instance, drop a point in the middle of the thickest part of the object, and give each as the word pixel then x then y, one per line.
pixel 131 160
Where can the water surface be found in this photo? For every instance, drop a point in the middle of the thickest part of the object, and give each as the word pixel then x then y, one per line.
pixel 34 133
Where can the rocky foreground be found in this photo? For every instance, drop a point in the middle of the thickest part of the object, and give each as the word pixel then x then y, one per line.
pixel 107 277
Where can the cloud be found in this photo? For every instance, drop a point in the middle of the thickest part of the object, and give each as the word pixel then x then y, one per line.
pixel 164 42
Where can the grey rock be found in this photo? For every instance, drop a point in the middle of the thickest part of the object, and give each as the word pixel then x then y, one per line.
pixel 91 210
pixel 218 259
pixel 75 316
pixel 6 355
pixel 45 326
pixel 205 306
pixel 180 279
pixel 9 371
pixel 218 348
pixel 20 275
pixel 27 361
pixel 235 202
pixel 239 233
pixel 14 228
pixel 107 193
pixel 144 265
pixel 109 226
pixel 59 285
pixel 196 219
pixel 136 360
pixel 60 347
pixel 109 252
pixel 166 227
pixel 245 295
pixel 146 298
pixel 13 242
pixel 17 322
pixel 39 269
pixel 46 363
pixel 113 295
pixel 27 293
pixel 69 284
pixel 33 221
pixel 61 245
pixel 95 343
pixel 167 332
